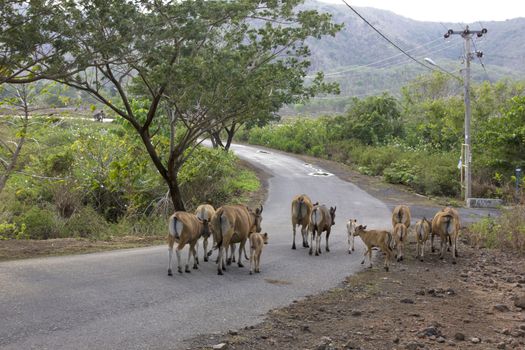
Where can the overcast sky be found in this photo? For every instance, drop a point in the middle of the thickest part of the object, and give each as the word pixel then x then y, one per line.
pixel 447 10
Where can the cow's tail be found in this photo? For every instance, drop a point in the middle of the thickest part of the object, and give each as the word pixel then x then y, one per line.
pixel 316 217
pixel 175 227
pixel 450 224
pixel 390 242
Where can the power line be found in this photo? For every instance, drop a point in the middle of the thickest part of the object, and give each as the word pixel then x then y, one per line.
pixel 479 54
pixel 385 37
pixel 437 48
pixel 393 44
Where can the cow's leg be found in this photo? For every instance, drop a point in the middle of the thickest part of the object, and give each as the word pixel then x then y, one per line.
pixel 454 252
pixel 252 259
pixel 432 242
pixel 170 255
pixel 318 242
pixel 241 250
pixel 179 259
pixel 293 242
pixel 350 243
pixel 443 247
pixel 311 234
pixel 364 255
pixel 258 261
pixel 327 235
pixel 304 233
pixel 370 257
pixel 195 256
pixel 205 247
pixel 190 252
pixel 388 256
pixel 220 261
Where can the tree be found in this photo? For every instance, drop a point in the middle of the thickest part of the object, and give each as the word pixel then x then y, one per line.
pixel 33 41
pixel 12 148
pixel 199 64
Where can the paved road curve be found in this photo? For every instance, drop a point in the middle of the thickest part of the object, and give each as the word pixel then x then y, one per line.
pixel 125 300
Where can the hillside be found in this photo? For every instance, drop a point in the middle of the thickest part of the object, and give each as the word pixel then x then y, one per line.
pixel 365 64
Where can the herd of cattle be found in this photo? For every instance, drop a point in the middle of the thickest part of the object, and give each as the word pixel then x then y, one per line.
pixel 232 224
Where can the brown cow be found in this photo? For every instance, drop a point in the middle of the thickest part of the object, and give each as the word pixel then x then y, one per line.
pixel 375 238
pixel 401 214
pixel 351 225
pixel 423 229
pixel 301 210
pixel 257 242
pixel 185 228
pixel 454 213
pixel 205 212
pixel 400 234
pixel 234 222
pixel 321 220
pixel 446 225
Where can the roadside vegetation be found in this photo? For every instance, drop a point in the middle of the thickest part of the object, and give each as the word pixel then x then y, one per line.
pixel 415 140
pixel 91 180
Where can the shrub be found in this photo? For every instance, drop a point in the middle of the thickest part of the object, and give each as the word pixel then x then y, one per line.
pixel 40 223
pixel 85 223
pixel 506 232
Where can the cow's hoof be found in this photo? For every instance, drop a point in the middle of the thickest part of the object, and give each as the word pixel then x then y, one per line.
pixel 432 250
pixel 310 252
pixel 257 271
pixel 362 262
pixel 240 265
pixel 170 273
pixel 180 270
pixel 293 247
pixel 386 268
pixel 353 249
pixel 219 272
pixel 197 261
pixel 195 267
pixel 229 262
pixel 327 249
pixel 316 253
pixel 440 258
pixel 349 251
pixel 454 262
pixel 421 259
pixel 224 268
pixel 187 269
pixel 251 273
pixel 206 259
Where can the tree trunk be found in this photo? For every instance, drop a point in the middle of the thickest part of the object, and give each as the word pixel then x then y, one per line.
pixel 175 194
pixel 230 132
pixel 216 139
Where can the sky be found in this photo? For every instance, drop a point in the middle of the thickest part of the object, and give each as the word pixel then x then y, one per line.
pixel 447 10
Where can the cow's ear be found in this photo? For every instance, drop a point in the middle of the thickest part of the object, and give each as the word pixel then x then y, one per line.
pixel 364 227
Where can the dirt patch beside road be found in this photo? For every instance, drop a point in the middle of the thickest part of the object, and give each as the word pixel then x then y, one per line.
pixel 417 305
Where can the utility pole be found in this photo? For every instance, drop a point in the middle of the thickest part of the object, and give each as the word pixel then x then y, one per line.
pixel 466 155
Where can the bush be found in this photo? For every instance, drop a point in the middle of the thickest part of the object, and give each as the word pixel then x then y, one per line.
pixel 40 223
pixel 85 223
pixel 506 232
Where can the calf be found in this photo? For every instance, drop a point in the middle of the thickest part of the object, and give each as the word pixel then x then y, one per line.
pixel 376 238
pixel 350 229
pixel 446 225
pixel 301 210
pixel 234 223
pixel 400 234
pixel 321 219
pixel 423 229
pixel 185 228
pixel 257 242
pixel 205 212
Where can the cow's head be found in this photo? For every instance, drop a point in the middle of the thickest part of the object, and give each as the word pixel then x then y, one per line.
pixel 332 215
pixel 351 225
pixel 205 227
pixel 265 238
pixel 257 219
pixel 359 229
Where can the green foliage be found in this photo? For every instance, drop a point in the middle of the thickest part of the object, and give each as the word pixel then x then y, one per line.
pixel 505 232
pixel 40 223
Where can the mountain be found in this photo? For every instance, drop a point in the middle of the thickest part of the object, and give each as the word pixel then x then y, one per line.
pixel 366 64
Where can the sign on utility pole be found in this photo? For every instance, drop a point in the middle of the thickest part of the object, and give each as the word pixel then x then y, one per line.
pixel 466 155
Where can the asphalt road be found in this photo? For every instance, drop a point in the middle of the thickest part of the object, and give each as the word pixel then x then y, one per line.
pixel 125 300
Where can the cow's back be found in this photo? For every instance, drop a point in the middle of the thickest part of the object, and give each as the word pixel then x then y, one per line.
pixel 205 212
pixel 301 209
pixel 401 214
pixel 320 217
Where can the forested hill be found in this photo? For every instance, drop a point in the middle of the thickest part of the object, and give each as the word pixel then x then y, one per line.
pixel 365 64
